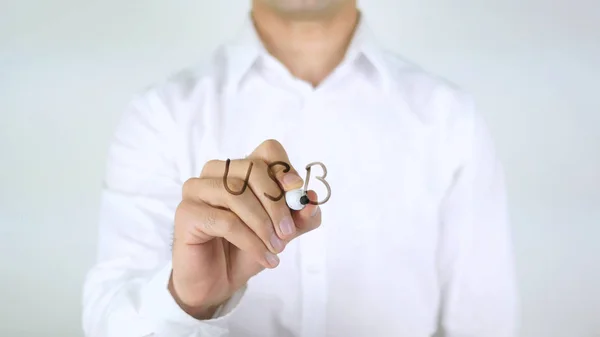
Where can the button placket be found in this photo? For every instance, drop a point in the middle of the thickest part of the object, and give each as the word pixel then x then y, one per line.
pixel 314 283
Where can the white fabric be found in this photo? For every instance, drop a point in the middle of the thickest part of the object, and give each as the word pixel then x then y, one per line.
pixel 415 234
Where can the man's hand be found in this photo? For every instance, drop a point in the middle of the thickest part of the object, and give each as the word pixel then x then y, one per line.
pixel 221 240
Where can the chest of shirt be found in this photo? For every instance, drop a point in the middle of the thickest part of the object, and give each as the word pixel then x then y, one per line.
pixel 385 168
pixel 387 179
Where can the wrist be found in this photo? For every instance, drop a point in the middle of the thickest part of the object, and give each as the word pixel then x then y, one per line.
pixel 199 312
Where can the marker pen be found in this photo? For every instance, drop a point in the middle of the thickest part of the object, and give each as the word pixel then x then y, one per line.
pixel 296 199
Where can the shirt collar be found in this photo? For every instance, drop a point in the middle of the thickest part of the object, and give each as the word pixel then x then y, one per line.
pixel 243 52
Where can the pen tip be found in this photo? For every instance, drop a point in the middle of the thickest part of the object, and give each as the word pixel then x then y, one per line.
pixel 304 200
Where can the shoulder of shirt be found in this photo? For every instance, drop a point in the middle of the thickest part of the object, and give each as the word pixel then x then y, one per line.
pixel 186 85
pixel 431 97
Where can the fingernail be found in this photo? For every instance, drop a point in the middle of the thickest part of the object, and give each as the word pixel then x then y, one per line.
pixel 272 259
pixel 292 180
pixel 277 243
pixel 315 211
pixel 287 226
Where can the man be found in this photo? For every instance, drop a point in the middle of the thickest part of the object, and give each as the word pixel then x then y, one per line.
pixel 414 240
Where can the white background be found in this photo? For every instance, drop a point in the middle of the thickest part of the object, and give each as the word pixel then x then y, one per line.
pixel 67 69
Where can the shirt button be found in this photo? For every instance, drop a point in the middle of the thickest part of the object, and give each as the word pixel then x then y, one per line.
pixel 312 269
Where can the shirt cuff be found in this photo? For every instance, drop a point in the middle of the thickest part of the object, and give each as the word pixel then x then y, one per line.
pixel 165 316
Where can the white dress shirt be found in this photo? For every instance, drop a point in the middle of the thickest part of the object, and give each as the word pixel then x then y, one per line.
pixel 414 237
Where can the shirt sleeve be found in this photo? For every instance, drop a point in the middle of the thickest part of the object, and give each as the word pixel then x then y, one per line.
pixel 479 295
pixel 125 293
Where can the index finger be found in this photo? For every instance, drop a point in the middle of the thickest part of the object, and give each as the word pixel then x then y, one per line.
pixel 272 152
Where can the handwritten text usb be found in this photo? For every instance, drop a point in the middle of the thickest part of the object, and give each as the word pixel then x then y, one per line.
pixel 295 199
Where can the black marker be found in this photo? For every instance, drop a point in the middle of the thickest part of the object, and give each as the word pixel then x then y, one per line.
pixel 298 199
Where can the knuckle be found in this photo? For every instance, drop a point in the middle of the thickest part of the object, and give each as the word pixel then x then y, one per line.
pixel 210 221
pixel 214 183
pixel 253 161
pixel 183 206
pixel 184 211
pixel 235 184
pixel 209 166
pixel 271 145
pixel 258 164
pixel 189 186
